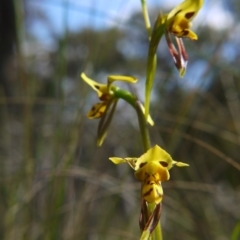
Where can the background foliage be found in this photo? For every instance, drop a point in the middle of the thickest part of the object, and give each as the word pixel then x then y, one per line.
pixel 56 184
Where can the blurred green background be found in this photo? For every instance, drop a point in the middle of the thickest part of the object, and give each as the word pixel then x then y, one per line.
pixel 55 183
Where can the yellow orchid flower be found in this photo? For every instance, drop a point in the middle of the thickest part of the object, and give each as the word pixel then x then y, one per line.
pixel 179 19
pixel 151 169
pixel 109 95
pixel 155 155
pixel 178 23
pixel 155 161
pixel 105 93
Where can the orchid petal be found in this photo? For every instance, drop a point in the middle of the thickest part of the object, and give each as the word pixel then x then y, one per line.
pixel 155 154
pixel 98 110
pixel 179 19
pixel 154 169
pixel 113 78
pixel 101 89
pixel 130 161
pixel 152 191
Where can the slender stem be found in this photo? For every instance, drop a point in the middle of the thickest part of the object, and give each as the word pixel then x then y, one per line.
pixel 157 233
pixel 157 33
pixel 143 127
pixel 151 69
pixel 132 100
pixel 126 96
pixel 150 74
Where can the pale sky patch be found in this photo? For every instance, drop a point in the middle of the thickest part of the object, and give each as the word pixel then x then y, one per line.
pixel 102 14
pixel 217 17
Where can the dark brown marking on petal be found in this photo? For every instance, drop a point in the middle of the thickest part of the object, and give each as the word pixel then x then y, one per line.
pixel 185 32
pixel 148 192
pixel 189 15
pixel 164 164
pixel 177 12
pixel 93 108
pixel 142 165
pixel 148 182
pixel 147 175
pixel 103 98
pixel 97 87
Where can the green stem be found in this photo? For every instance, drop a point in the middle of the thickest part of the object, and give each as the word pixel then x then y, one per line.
pixel 151 69
pixel 143 127
pixel 157 33
pixel 133 101
pixel 126 96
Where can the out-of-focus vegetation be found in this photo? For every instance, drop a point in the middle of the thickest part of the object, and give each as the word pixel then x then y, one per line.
pixel 56 184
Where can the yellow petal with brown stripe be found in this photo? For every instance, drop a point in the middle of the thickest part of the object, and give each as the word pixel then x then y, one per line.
pixel 97 110
pixel 152 191
pixel 179 19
